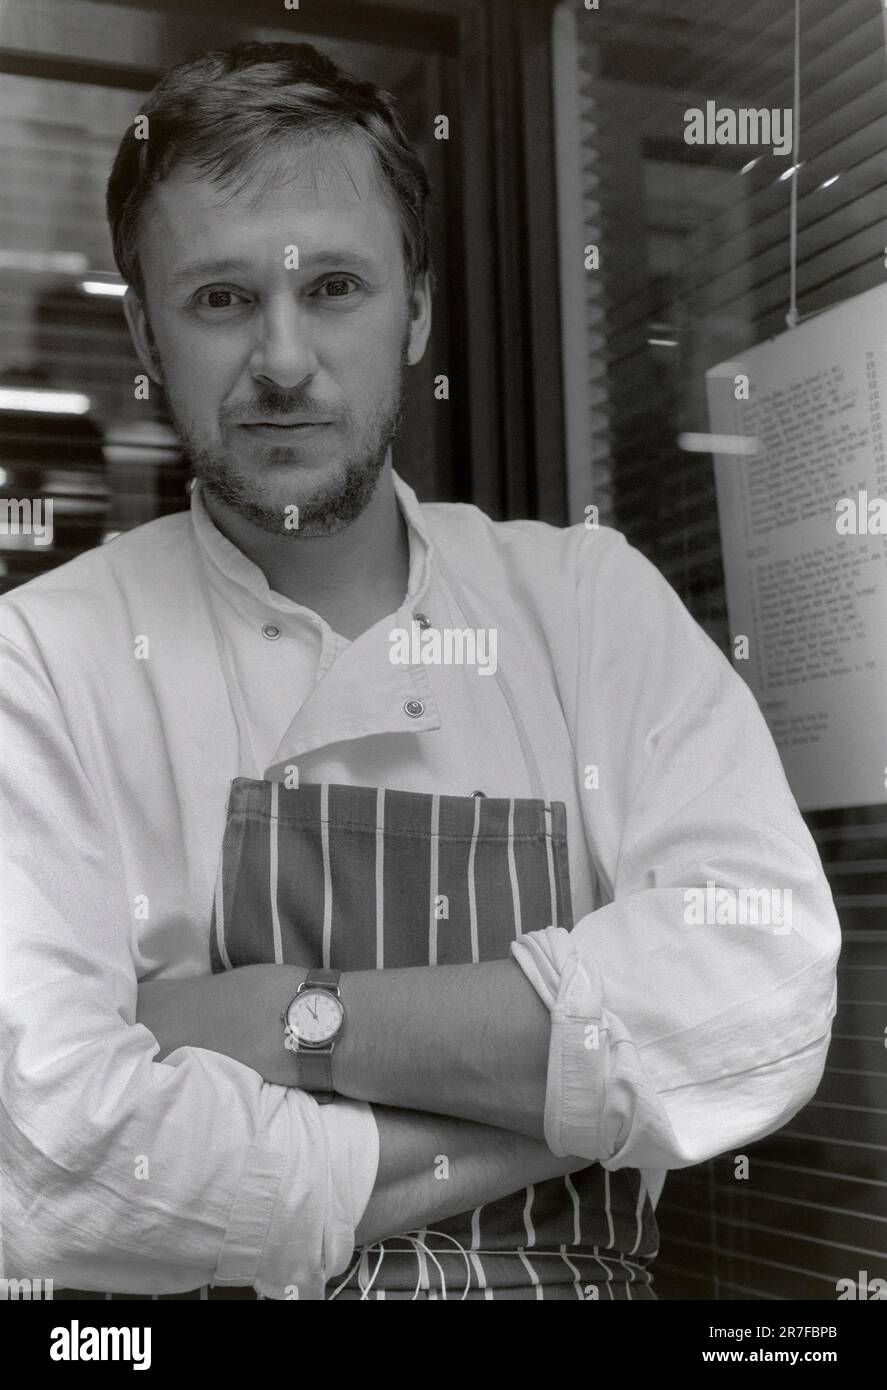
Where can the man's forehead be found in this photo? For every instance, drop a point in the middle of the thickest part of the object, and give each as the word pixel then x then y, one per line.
pixel 307 183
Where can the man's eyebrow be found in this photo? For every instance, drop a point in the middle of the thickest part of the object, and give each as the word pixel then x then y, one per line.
pixel 330 255
pixel 199 268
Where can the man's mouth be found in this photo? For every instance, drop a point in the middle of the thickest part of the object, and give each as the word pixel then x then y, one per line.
pixel 288 422
pixel 281 431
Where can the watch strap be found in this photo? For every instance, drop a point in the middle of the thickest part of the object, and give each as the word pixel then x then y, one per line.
pixel 316 1064
pixel 321 979
pixel 316 1073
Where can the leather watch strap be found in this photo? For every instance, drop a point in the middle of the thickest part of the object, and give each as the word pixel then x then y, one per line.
pixel 316 1074
pixel 322 979
pixel 316 1065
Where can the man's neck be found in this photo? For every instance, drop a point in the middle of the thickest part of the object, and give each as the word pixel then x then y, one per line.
pixel 352 578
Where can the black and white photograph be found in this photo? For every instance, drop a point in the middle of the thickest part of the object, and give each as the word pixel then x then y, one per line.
pixel 443 667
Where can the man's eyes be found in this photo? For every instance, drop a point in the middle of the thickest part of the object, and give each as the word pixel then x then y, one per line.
pixel 333 287
pixel 217 298
pixel 335 283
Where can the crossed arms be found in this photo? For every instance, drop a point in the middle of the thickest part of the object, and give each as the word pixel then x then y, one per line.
pixel 711 1036
pixel 124 1171
pixel 452 1058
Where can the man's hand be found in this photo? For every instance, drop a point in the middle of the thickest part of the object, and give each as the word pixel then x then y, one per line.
pixel 236 1013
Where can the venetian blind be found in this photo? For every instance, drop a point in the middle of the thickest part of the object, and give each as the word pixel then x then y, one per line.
pixel 694 267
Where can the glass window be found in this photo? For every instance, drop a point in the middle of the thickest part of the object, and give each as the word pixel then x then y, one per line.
pixel 72 426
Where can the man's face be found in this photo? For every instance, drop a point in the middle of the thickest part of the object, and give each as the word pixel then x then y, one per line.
pixel 281 322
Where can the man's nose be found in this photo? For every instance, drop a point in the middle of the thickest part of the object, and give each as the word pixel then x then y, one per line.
pixel 284 354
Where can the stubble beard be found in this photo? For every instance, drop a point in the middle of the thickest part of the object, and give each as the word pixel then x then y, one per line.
pixel 332 506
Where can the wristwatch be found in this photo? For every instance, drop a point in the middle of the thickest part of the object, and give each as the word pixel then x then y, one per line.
pixel 312 1024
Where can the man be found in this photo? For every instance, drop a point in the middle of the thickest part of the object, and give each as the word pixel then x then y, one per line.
pixel 349 944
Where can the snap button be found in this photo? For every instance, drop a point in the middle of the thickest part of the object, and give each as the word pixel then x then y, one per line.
pixel 478 793
pixel 414 708
pixel 271 631
pixel 421 619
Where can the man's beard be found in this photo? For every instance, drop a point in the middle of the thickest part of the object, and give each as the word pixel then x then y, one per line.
pixel 331 507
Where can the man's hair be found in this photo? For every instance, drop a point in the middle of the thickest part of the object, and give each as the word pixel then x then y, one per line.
pixel 223 111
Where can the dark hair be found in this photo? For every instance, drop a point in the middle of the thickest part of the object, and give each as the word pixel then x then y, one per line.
pixel 220 111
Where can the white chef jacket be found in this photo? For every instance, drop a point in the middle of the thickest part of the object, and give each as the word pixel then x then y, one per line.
pixel 669 1042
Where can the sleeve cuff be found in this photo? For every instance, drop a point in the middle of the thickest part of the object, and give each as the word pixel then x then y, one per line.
pixel 570 988
pixel 303 1189
pixel 353 1146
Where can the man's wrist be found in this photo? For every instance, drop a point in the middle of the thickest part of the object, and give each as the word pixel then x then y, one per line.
pixel 283 986
pixel 342 1048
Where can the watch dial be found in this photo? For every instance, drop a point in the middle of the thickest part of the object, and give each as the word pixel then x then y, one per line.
pixel 316 1015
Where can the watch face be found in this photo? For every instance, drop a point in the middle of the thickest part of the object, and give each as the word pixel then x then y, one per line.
pixel 316 1015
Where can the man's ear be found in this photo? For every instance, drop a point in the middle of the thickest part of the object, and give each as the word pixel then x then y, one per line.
pixel 420 319
pixel 142 339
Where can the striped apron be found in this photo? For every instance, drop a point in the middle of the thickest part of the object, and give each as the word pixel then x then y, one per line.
pixel 362 878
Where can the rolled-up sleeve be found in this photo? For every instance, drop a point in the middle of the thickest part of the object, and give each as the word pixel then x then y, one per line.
pixel 121 1173
pixel 690 1012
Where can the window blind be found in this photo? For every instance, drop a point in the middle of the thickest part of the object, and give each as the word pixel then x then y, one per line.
pixel 694 267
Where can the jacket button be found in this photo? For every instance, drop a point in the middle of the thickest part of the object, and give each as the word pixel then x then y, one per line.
pixel 422 620
pixel 271 631
pixel 414 708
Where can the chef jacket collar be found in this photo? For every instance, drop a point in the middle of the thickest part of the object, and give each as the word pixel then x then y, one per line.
pixel 226 559
pixel 363 692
